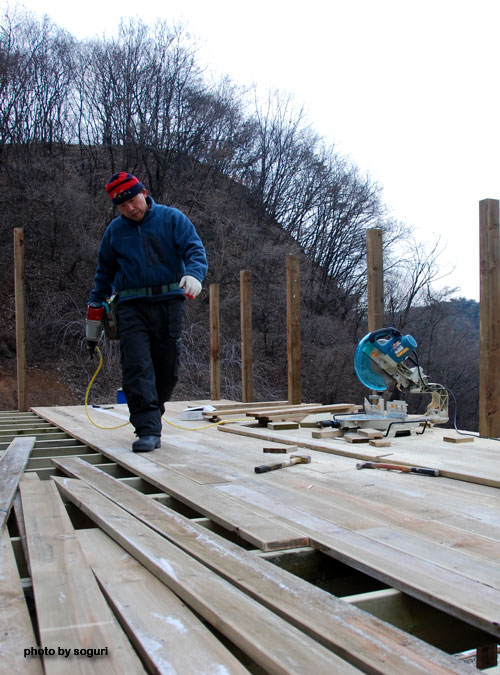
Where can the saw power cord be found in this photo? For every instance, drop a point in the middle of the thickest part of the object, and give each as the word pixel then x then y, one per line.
pixel 461 433
pixel 464 433
pixel 119 426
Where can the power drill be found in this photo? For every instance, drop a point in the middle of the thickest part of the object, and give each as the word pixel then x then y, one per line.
pixel 94 325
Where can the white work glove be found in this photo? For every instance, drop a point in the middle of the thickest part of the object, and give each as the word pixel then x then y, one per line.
pixel 191 286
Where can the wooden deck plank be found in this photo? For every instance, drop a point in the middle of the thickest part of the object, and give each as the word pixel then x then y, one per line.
pixel 235 405
pixel 12 465
pixel 253 410
pixel 479 463
pixel 18 510
pixel 468 600
pixel 354 635
pixel 352 510
pixel 16 630
pixel 169 638
pixel 71 611
pixel 469 508
pixel 465 564
pixel 393 490
pixel 266 638
pixel 304 410
pixel 185 451
pixel 322 461
pixel 197 463
pixel 259 529
pixel 165 471
pixel 462 508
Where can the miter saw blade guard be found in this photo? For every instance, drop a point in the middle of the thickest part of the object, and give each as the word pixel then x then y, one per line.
pixel 386 344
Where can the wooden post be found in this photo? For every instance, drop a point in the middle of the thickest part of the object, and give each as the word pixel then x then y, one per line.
pixel 214 342
pixel 22 394
pixel 246 336
pixel 375 265
pixel 489 319
pixel 293 329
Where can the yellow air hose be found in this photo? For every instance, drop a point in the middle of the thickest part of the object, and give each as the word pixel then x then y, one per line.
pixel 207 426
pixel 88 391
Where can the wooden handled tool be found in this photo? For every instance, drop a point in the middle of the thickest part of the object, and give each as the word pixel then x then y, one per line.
pixel 294 459
pixel 422 470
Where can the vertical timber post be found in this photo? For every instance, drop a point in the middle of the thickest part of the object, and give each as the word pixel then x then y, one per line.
pixel 293 329
pixel 246 336
pixel 489 319
pixel 375 266
pixel 22 394
pixel 214 343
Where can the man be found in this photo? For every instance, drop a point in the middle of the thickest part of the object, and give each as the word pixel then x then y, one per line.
pixel 152 257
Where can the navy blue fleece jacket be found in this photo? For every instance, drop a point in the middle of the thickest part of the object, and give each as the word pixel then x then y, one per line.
pixel 159 250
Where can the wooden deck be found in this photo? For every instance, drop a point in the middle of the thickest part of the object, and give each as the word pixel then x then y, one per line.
pixel 185 560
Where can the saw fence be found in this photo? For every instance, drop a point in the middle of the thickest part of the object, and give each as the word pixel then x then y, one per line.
pixel 186 560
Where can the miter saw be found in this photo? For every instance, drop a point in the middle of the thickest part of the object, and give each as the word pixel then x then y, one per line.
pixel 385 356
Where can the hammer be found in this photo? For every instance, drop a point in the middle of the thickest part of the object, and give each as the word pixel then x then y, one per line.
pixel 294 459
pixel 422 470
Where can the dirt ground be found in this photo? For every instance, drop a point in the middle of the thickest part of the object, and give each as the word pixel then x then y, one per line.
pixel 44 389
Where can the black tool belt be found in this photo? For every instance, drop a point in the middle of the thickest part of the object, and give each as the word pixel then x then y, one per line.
pixel 149 291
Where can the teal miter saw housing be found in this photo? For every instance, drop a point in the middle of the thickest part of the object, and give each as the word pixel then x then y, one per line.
pixel 379 353
pixel 381 356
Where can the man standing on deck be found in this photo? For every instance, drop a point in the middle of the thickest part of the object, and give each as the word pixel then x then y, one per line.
pixel 153 258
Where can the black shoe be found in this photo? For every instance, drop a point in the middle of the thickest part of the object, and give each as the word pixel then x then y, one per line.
pixel 146 444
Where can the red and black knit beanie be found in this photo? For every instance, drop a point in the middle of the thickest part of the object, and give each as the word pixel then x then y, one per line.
pixel 122 187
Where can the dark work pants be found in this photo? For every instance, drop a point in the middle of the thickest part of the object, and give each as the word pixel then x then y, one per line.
pixel 150 345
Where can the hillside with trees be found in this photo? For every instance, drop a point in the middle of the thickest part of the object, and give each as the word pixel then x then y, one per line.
pixel 254 178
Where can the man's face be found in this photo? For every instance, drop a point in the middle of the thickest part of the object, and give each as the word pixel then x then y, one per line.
pixel 135 208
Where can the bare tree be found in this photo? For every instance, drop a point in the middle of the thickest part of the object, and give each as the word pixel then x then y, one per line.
pixel 36 74
pixel 410 278
pixel 280 160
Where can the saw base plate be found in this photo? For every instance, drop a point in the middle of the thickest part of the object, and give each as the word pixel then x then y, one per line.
pixel 392 426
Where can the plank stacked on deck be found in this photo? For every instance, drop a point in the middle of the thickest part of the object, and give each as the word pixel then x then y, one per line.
pixel 269 413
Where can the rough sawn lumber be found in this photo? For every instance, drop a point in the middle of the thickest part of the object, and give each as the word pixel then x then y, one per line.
pixel 480 464
pixel 12 465
pixel 270 641
pixel 169 638
pixel 302 411
pixel 356 636
pixel 259 529
pixel 71 610
pixel 16 630
pixel 463 597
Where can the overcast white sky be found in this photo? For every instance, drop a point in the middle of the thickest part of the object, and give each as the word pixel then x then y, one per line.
pixel 408 90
